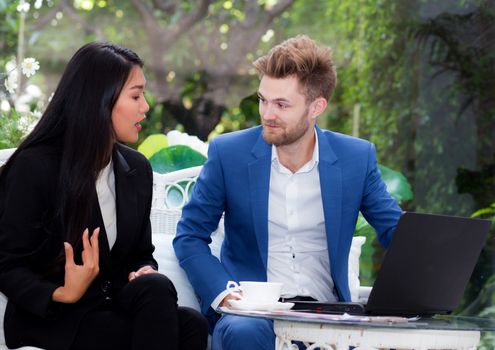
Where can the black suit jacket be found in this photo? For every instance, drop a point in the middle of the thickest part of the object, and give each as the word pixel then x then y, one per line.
pixel 30 241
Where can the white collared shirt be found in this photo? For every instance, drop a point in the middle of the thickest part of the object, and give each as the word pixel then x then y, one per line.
pixel 297 242
pixel 105 188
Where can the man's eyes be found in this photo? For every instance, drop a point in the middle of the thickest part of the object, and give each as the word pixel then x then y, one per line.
pixel 278 104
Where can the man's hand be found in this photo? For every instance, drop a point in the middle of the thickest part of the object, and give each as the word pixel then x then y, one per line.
pixel 142 271
pixel 78 278
pixel 225 300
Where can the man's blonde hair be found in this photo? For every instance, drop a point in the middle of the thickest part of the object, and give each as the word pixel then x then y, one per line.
pixel 301 57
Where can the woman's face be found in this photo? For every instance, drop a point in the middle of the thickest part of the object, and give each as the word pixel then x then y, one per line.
pixel 130 108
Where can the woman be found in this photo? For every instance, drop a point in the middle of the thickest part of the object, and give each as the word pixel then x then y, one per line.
pixel 75 239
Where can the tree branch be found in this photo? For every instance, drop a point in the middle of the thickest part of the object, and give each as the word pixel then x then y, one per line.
pixel 150 23
pixel 246 36
pixel 90 28
pixel 47 18
pixel 188 21
pixel 65 7
pixel 198 52
pixel 165 6
pixel 280 7
pixel 251 10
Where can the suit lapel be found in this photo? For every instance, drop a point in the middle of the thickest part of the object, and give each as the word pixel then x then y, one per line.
pixel 331 193
pixel 259 185
pixel 97 221
pixel 126 203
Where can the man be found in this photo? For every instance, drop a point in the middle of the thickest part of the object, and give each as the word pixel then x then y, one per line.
pixel 291 194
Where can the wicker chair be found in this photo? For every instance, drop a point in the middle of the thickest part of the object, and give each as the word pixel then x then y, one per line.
pixel 170 193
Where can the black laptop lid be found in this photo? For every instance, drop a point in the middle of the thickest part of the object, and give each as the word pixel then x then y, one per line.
pixel 428 264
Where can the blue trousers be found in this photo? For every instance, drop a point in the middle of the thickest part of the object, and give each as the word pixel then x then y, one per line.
pixel 243 333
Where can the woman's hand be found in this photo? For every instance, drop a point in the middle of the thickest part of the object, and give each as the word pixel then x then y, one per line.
pixel 78 278
pixel 142 271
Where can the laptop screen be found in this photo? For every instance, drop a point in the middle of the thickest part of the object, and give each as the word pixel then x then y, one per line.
pixel 428 264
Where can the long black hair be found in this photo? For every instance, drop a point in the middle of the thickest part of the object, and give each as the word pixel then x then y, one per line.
pixel 78 120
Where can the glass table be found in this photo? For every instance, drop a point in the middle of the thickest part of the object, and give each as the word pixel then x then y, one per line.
pixel 339 332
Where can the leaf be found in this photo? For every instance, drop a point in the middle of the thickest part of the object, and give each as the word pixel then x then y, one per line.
pixel 484 211
pixel 397 184
pixel 488 312
pixel 176 158
pixel 152 144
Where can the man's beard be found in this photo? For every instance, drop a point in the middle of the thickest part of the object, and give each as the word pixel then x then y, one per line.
pixel 288 136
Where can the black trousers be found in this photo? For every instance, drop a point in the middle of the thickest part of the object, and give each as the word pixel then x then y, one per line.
pixel 143 316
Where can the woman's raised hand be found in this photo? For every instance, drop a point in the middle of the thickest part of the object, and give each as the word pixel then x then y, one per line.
pixel 78 278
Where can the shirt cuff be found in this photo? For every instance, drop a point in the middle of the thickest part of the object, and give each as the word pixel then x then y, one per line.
pixel 219 299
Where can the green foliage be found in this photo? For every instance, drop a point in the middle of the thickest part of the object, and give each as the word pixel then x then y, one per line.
pixel 249 108
pixel 175 158
pixel 487 213
pixel 458 51
pixel 487 340
pixel 14 127
pixel 397 184
pixel 9 24
pixel 242 117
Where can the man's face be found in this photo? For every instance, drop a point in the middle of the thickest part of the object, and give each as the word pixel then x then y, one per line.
pixel 283 110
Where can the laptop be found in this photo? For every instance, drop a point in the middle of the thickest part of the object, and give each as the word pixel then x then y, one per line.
pixel 425 270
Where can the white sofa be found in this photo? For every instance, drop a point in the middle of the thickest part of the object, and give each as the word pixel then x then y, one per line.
pixel 170 192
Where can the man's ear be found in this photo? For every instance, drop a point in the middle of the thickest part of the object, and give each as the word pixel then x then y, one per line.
pixel 317 107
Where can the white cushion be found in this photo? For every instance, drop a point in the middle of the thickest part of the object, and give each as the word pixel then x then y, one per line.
pixel 354 254
pixel 169 266
pixel 3 305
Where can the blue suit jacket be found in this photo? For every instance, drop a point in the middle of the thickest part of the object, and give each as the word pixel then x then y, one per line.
pixel 235 180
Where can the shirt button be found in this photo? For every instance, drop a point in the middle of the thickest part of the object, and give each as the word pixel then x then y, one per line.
pixel 105 286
